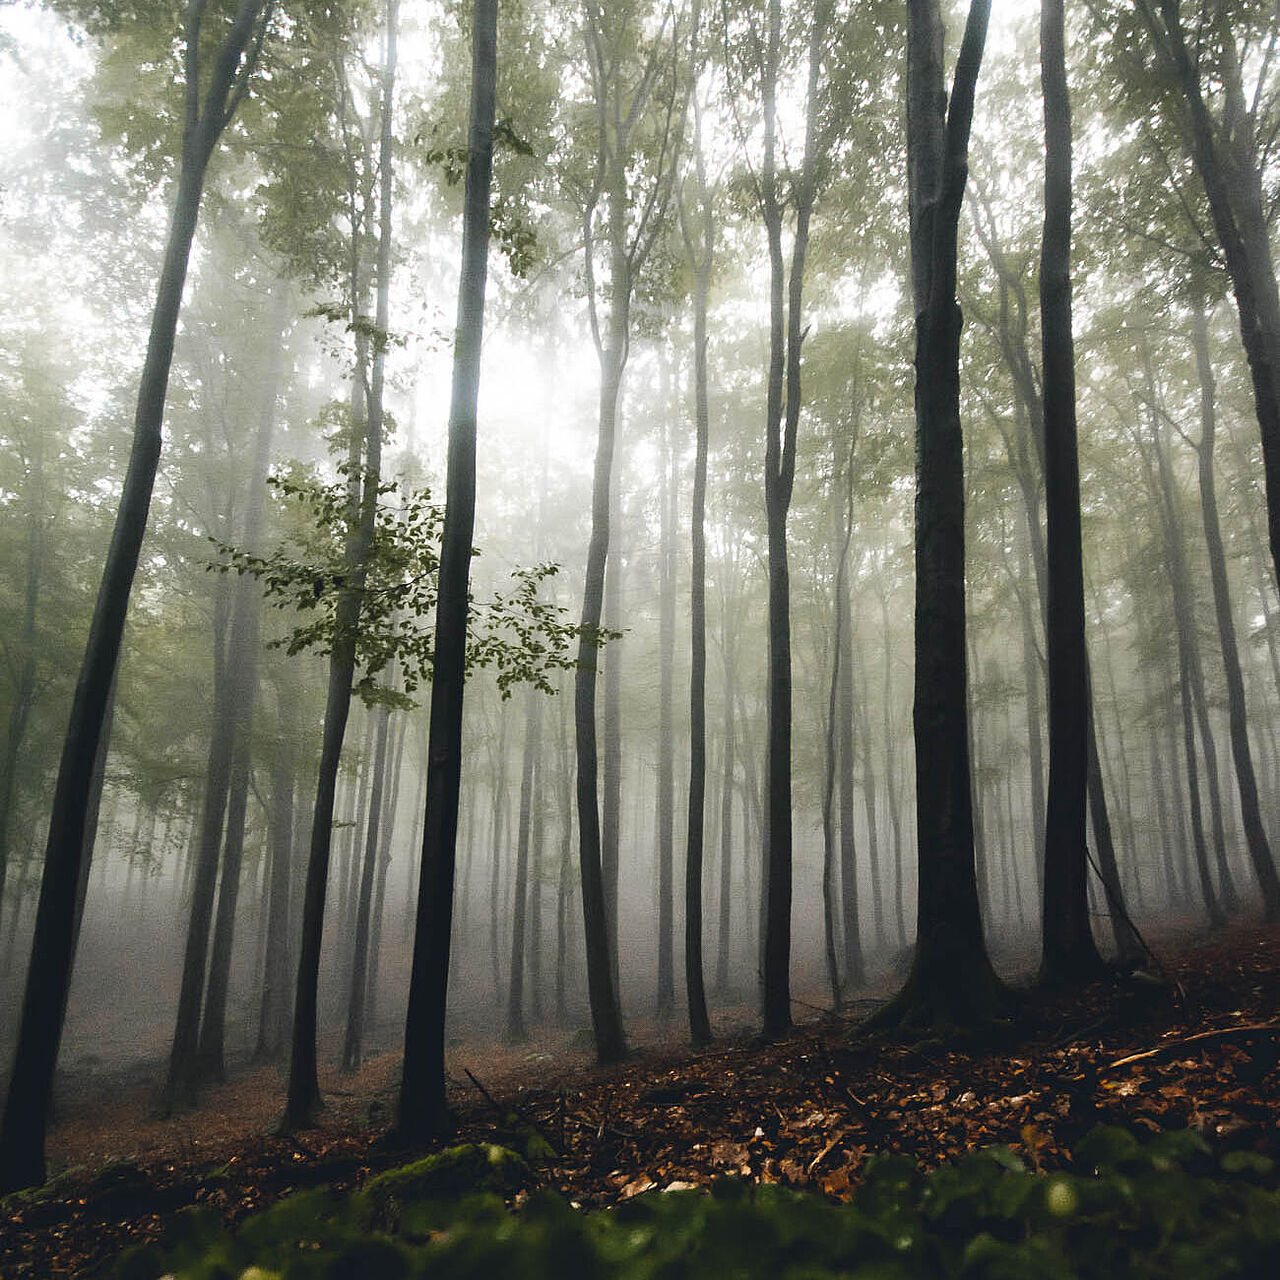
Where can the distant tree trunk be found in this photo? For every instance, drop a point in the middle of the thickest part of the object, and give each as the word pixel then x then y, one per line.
pixel 840 750
pixel 49 973
pixel 24 693
pixel 380 890
pixel 1069 954
pixel 273 1021
pixel 1246 782
pixel 890 779
pixel 304 1089
pixel 870 798
pixel 497 823
pixel 242 661
pixel 422 1107
pixel 729 747
pixel 611 730
pixel 353 1042
pixel 515 1031
pixel 212 1051
pixel 564 889
pixel 951 979
pixel 665 797
pixel 1190 666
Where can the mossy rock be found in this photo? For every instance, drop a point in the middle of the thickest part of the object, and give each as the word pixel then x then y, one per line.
pixel 469 1169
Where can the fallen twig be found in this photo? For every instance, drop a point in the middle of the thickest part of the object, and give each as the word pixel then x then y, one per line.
pixel 1219 1033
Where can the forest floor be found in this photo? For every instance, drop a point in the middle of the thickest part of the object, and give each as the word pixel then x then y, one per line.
pixel 1201 1051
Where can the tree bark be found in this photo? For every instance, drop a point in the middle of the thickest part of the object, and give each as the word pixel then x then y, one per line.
pixel 951 979
pixel 422 1108
pixel 1069 954
pixel 26 1111
pixel 304 1089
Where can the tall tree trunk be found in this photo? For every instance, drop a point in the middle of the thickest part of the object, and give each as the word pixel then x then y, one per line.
pixel 304 1089
pixel 422 1107
pixel 1226 156
pixel 1246 782
pixel 951 980
pixel 1069 954
pixel 782 420
pixel 49 973
pixel 665 791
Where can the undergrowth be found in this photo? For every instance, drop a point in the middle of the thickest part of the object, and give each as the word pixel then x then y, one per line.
pixel 1164 1208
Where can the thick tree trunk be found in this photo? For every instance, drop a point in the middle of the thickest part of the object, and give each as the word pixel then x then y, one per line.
pixel 951 980
pixel 422 1107
pixel 665 797
pixel 1069 954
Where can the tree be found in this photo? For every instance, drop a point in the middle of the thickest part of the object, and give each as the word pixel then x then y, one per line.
pixel 212 94
pixel 635 90
pixel 1228 156
pixel 951 979
pixel 1246 779
pixel 422 1109
pixel 699 221
pixel 1069 953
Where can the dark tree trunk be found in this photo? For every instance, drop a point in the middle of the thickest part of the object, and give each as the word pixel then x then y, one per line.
pixel 564 889
pixel 422 1108
pixel 1226 155
pixel 782 420
pixel 611 725
pixel 1069 954
pixel 49 973
pixel 1246 781
pixel 951 979
pixel 304 1089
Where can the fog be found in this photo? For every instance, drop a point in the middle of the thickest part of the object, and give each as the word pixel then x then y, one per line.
pixel 272 361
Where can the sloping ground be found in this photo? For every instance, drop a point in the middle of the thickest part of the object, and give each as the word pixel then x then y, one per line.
pixel 803 1112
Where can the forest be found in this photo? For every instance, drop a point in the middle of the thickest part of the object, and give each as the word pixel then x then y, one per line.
pixel 833 445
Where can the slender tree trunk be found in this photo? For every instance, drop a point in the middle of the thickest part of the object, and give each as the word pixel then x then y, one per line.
pixel 380 890
pixel 1246 781
pixel 422 1107
pixel 665 797
pixel 274 1018
pixel 353 1042
pixel 49 973
pixel 304 1089
pixel 516 1031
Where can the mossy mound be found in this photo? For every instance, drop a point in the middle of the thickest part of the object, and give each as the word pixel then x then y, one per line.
pixel 1164 1208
